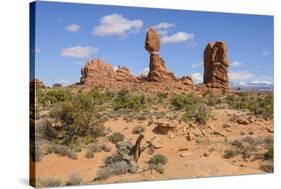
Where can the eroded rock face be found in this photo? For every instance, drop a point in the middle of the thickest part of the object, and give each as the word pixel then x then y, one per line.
pixel 157 67
pixel 157 70
pixel 98 73
pixel 123 74
pixel 187 80
pixel 216 65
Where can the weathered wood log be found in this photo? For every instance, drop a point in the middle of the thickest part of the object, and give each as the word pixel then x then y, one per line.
pixel 136 150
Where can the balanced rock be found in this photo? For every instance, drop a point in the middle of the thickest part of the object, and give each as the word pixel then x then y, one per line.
pixel 216 65
pixel 157 68
pixel 152 41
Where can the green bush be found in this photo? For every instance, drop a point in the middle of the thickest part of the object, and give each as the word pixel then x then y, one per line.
pixel 124 100
pixel 74 179
pixel 52 96
pixel 180 101
pixel 117 168
pixel 158 159
pixel 258 105
pixel 138 129
pixel 78 118
pixel 62 150
pixel 270 153
pixel 116 137
pixel 157 162
pixel 51 182
pixel 199 113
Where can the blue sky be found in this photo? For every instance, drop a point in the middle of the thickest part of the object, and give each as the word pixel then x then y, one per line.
pixel 68 35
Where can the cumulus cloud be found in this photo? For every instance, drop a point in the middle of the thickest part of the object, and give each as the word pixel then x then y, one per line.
pixel 72 28
pixel 177 38
pixel 197 77
pixel 145 71
pixel 164 26
pixel 235 64
pixel 241 76
pixel 116 24
pixel 78 51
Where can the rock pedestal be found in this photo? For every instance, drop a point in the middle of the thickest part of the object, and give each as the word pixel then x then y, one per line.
pixel 157 68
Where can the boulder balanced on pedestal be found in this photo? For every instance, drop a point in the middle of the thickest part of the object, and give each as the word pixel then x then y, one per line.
pixel 157 68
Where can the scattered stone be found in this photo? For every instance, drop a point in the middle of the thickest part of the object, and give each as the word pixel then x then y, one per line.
pixel 183 149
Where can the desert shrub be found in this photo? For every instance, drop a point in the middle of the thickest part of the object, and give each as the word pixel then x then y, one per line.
pixel 74 179
pixel 62 150
pixel 229 154
pixel 36 153
pixel 78 118
pixel 56 85
pixel 267 167
pixel 51 182
pixel 117 168
pixel 89 154
pixel 158 159
pixel 124 100
pixel 161 96
pixel 199 113
pixel 105 148
pixel 138 129
pixel 258 105
pixel 116 137
pixel 156 162
pixel 113 159
pixel 180 101
pixel 269 155
pixel 53 96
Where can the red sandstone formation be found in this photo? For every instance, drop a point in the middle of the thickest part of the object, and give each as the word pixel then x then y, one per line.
pixel 187 80
pixel 216 65
pixel 157 68
pixel 98 73
pixel 37 83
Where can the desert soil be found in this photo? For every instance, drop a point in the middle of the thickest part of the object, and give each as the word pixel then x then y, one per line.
pixel 202 155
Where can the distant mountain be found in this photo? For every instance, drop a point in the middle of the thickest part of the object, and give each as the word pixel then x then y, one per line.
pixel 254 85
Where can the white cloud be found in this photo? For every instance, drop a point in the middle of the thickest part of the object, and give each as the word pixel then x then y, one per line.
pixel 164 26
pixel 78 51
pixel 235 64
pixel 115 68
pixel 163 32
pixel 265 53
pixel 199 64
pixel 145 71
pixel 116 24
pixel 197 77
pixel 256 82
pixel 72 28
pixel 177 38
pixel 241 76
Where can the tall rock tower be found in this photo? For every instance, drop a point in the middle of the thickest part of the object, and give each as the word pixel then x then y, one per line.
pixel 216 65
pixel 157 68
